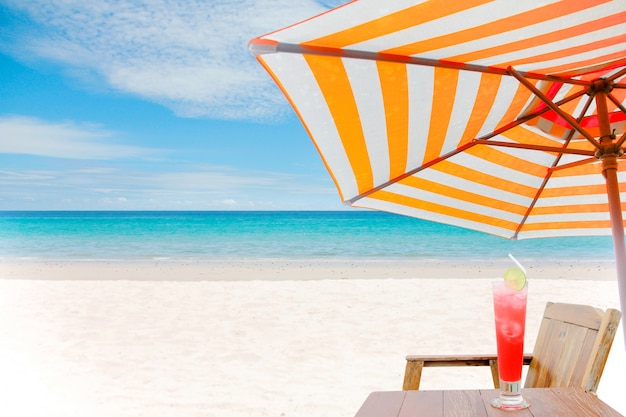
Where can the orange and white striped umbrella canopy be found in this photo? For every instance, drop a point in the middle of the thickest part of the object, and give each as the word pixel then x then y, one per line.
pixel 481 114
pixel 501 116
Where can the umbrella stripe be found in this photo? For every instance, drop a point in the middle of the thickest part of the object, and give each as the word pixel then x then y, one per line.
pixel 486 190
pixel 344 113
pixel 570 218
pixel 566 185
pixel 568 162
pixel 508 178
pixel 583 209
pixel 442 209
pixel 578 171
pixel 586 64
pixel 459 194
pixel 602 69
pixel 592 178
pixel 394 87
pixel 481 110
pixel 572 200
pixel 402 19
pixel 422 86
pixel 546 54
pixel 424 12
pixel 453 202
pixel 469 84
pixel 364 76
pixel 579 63
pixel 566 54
pixel 443 101
pixel 516 106
pixel 507 92
pixel 522 134
pixel 553 129
pixel 599 189
pixel 531 16
pixel 433 216
pixel 532 162
pixel 510 159
pixel 542 39
pixel 483 178
pixel 437 37
pixel 453 215
pixel 589 169
pixel 563 232
pixel 578 208
pixel 592 122
pixel 571 225
pixel 339 20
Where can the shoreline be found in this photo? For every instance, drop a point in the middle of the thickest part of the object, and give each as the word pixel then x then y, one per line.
pixel 296 269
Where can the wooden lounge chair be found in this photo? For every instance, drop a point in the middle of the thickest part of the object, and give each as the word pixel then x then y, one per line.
pixel 571 350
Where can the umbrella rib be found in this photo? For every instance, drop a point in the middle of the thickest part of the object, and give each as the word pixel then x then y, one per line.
pixel 617 75
pixel 570 120
pixel 555 149
pixel 265 47
pixel 573 164
pixel 412 172
pixel 561 102
pixel 554 167
pixel 516 122
pixel 616 102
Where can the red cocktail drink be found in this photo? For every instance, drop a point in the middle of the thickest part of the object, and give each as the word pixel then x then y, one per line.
pixel 510 317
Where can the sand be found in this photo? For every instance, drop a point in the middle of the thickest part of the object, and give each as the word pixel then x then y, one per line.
pixel 256 338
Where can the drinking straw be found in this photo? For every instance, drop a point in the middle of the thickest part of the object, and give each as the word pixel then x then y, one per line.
pixel 519 265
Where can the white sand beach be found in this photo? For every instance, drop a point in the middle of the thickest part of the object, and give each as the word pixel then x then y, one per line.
pixel 255 338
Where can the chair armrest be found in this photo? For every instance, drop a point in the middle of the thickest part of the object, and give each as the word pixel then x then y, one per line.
pixel 415 364
pixel 459 360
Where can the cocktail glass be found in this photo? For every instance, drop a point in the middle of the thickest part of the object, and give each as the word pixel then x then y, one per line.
pixel 509 307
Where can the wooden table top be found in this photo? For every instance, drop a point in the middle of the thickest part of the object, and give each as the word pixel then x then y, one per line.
pixel 544 402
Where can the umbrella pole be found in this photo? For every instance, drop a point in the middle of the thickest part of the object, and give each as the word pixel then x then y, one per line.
pixel 615 210
pixel 609 168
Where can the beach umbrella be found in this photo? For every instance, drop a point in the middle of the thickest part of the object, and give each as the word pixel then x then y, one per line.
pixel 501 116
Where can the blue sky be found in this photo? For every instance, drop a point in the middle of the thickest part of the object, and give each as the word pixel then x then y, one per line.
pixel 150 105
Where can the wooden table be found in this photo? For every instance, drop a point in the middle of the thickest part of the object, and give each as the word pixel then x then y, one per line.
pixel 544 402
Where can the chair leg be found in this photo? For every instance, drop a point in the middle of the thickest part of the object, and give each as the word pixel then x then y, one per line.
pixel 412 375
pixel 493 364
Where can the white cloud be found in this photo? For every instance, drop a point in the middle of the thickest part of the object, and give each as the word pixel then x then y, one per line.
pixel 218 187
pixel 15 176
pixel 189 55
pixel 30 136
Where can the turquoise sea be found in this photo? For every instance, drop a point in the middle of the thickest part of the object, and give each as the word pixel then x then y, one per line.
pixel 227 235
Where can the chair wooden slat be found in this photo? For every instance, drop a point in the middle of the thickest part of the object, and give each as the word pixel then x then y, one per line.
pixel 601 349
pixel 580 315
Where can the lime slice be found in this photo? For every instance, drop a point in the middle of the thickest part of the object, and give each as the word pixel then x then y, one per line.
pixel 515 278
